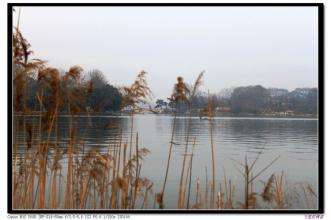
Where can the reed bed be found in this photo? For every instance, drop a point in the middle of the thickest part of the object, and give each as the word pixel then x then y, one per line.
pixel 51 175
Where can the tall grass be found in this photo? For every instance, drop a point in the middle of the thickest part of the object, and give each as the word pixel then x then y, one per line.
pixel 208 111
pixel 48 174
pixel 191 93
pixel 179 95
pixel 87 179
pixel 132 98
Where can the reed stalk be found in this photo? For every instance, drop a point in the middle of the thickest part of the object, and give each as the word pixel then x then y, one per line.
pixel 197 204
pixel 145 200
pixel 125 190
pixel 68 193
pixel 59 205
pixel 190 167
pixel 181 183
pixel 210 119
pixel 247 173
pixel 84 192
pixel 130 154
pixel 161 205
pixel 206 189
pixel 15 155
pixel 182 186
pixel 137 173
pixel 279 190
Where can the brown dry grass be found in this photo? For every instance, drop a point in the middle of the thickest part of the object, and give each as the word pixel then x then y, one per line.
pixel 111 180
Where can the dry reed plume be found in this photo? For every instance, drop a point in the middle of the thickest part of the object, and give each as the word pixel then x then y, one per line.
pixel 191 95
pixel 208 111
pixel 91 181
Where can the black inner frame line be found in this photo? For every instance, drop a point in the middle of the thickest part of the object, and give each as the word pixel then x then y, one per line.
pixel 321 156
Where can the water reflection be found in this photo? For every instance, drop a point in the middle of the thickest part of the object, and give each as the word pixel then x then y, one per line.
pixel 295 141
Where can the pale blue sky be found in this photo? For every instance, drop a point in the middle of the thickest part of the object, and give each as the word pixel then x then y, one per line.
pixel 236 46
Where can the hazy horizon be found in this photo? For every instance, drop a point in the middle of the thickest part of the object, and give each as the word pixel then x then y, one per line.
pixel 276 47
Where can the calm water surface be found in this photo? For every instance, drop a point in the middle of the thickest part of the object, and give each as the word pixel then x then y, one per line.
pixel 294 140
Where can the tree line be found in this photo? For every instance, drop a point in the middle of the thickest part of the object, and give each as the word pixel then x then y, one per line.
pixel 255 100
pixel 104 97
pixel 101 97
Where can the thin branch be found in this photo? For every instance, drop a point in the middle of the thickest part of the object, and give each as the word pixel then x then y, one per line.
pixel 239 163
pixel 239 170
pixel 257 157
pixel 259 173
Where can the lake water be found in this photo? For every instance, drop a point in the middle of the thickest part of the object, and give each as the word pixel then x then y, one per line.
pixel 294 140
